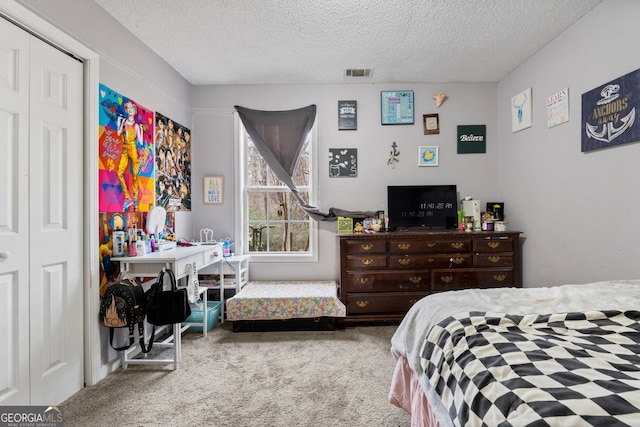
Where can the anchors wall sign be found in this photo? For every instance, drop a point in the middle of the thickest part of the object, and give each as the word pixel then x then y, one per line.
pixel 609 113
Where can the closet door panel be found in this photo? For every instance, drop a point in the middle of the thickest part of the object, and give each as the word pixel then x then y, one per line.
pixel 55 211
pixel 14 215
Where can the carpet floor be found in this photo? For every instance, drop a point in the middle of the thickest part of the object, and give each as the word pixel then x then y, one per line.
pixel 253 379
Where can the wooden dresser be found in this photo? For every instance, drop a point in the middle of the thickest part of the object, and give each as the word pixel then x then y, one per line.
pixel 382 275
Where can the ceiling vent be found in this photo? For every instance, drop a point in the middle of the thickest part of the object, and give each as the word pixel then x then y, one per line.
pixel 358 72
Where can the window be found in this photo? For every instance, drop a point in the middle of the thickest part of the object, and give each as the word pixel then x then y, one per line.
pixel 274 225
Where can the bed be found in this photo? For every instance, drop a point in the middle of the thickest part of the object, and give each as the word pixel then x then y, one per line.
pixel 564 355
pixel 268 301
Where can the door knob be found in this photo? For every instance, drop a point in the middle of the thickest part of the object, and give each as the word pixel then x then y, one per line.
pixel 4 255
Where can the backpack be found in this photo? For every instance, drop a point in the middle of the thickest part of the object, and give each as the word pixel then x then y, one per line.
pixel 124 305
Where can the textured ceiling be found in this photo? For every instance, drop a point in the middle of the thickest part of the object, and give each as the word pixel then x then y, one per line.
pixel 306 41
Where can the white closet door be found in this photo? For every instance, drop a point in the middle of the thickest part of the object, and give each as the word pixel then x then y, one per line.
pixel 45 194
pixel 55 217
pixel 14 215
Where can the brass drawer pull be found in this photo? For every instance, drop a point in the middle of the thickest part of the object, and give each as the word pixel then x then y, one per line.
pixel 458 260
pixel 431 244
pixel 494 259
pixel 447 279
pixel 404 246
pixel 493 245
pixel 362 281
pixel 404 261
pixel 499 277
pixel 366 246
pixel 413 301
pixel 430 260
pixel 457 245
pixel 362 304
pixel 415 279
pixel 367 261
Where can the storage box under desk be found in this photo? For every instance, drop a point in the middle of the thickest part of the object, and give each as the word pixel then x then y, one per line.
pixel 196 317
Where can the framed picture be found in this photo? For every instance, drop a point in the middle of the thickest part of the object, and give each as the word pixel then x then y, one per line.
pixel 427 156
pixel 213 190
pixel 431 124
pixel 472 139
pixel 609 113
pixel 347 115
pixel 343 162
pixel 558 108
pixel 521 110
pixel 396 107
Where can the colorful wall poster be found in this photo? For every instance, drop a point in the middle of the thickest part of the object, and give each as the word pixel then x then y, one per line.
pixel 173 165
pixel 126 154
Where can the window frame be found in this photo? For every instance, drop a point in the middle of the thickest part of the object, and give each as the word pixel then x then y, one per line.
pixel 241 201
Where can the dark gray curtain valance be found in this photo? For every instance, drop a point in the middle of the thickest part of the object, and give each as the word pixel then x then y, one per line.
pixel 279 137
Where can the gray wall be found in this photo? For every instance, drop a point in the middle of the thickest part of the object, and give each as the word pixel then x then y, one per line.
pixel 474 174
pixel 578 210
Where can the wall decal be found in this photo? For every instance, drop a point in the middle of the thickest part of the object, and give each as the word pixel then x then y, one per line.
pixel 393 155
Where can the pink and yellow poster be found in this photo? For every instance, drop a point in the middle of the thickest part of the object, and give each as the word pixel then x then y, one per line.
pixel 125 155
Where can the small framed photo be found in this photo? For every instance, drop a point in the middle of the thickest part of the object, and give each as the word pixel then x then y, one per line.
pixel 427 156
pixel 431 124
pixel 396 107
pixel 213 190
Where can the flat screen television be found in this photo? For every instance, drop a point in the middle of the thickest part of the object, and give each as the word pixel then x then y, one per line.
pixel 422 206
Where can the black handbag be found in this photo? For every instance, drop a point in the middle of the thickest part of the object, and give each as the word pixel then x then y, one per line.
pixel 166 307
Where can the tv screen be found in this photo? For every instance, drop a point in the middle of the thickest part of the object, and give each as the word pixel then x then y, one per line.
pixel 425 206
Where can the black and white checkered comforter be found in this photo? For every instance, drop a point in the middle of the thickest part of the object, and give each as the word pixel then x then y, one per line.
pixel 569 369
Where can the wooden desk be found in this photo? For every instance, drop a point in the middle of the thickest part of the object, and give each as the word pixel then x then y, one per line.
pixel 180 260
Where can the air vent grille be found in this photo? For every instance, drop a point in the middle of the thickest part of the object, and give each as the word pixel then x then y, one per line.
pixel 358 72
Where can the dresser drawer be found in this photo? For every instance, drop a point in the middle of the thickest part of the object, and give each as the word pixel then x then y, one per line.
pixel 416 261
pixel 366 261
pixel 498 259
pixel 366 246
pixel 383 274
pixel 493 244
pixel 447 280
pixel 385 281
pixel 408 246
pixel 382 303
